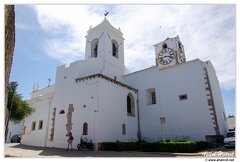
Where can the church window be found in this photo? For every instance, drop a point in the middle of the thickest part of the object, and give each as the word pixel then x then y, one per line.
pixel 94 47
pixel 180 45
pixel 164 45
pixel 130 105
pixel 114 48
pixel 85 128
pixel 33 125
pixel 62 112
pixel 183 97
pixel 151 96
pixel 40 124
pixel 123 129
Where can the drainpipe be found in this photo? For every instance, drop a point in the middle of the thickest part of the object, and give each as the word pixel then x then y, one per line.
pixel 46 135
pixel 138 120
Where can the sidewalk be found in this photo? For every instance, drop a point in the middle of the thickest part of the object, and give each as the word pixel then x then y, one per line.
pixel 18 150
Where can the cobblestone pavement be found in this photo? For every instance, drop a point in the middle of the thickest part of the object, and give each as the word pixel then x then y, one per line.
pixel 19 150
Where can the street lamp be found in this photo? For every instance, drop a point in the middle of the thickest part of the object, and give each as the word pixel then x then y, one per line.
pixel 13 88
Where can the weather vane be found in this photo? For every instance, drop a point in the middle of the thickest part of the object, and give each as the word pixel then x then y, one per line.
pixel 106 13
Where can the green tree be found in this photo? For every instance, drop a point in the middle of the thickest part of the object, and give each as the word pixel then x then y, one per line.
pixel 231 116
pixel 20 108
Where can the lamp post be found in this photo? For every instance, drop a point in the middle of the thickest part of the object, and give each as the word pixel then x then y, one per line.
pixel 13 88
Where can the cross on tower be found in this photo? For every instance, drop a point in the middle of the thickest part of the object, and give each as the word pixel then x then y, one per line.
pixel 49 80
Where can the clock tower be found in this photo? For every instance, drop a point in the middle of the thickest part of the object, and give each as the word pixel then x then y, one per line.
pixel 169 52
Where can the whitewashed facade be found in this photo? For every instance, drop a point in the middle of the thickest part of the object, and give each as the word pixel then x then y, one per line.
pixel 13 128
pixel 99 99
pixel 231 123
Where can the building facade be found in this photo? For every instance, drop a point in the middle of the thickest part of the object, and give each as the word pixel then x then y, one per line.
pixel 99 99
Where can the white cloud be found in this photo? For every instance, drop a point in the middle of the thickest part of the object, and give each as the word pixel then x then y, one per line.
pixel 207 32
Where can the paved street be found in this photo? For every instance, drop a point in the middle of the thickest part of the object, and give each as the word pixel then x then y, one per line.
pixel 18 150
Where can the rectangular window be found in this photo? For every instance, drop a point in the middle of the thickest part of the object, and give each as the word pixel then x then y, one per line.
pixel 123 129
pixel 33 125
pixel 183 97
pixel 153 97
pixel 85 128
pixel 40 124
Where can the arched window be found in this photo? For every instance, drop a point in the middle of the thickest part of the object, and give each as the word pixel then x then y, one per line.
pixel 94 47
pixel 85 128
pixel 62 112
pixel 114 48
pixel 164 45
pixel 130 105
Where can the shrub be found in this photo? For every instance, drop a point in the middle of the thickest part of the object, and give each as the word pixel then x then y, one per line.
pixel 178 147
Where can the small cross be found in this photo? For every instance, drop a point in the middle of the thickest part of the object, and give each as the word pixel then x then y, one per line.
pixel 49 80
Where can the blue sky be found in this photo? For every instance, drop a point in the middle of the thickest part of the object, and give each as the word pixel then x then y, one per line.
pixel 48 36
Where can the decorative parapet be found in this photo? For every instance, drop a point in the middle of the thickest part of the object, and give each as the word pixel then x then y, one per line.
pixel 42 92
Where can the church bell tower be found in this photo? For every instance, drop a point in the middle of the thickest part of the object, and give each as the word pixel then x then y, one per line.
pixel 105 42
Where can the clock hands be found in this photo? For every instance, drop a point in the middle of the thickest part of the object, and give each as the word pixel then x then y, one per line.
pixel 170 55
pixel 167 56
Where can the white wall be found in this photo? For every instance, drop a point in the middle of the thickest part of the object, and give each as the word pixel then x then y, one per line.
pixel 41 102
pixel 78 94
pixel 14 129
pixel 113 113
pixel 99 102
pixel 231 123
pixel 37 137
pixel 102 103
pixel 187 118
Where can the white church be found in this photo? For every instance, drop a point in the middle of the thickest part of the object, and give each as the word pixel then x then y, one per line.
pixel 99 99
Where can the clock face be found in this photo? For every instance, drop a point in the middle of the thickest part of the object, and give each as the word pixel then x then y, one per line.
pixel 181 56
pixel 165 56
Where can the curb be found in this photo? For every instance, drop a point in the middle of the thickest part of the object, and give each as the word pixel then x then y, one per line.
pixel 174 154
